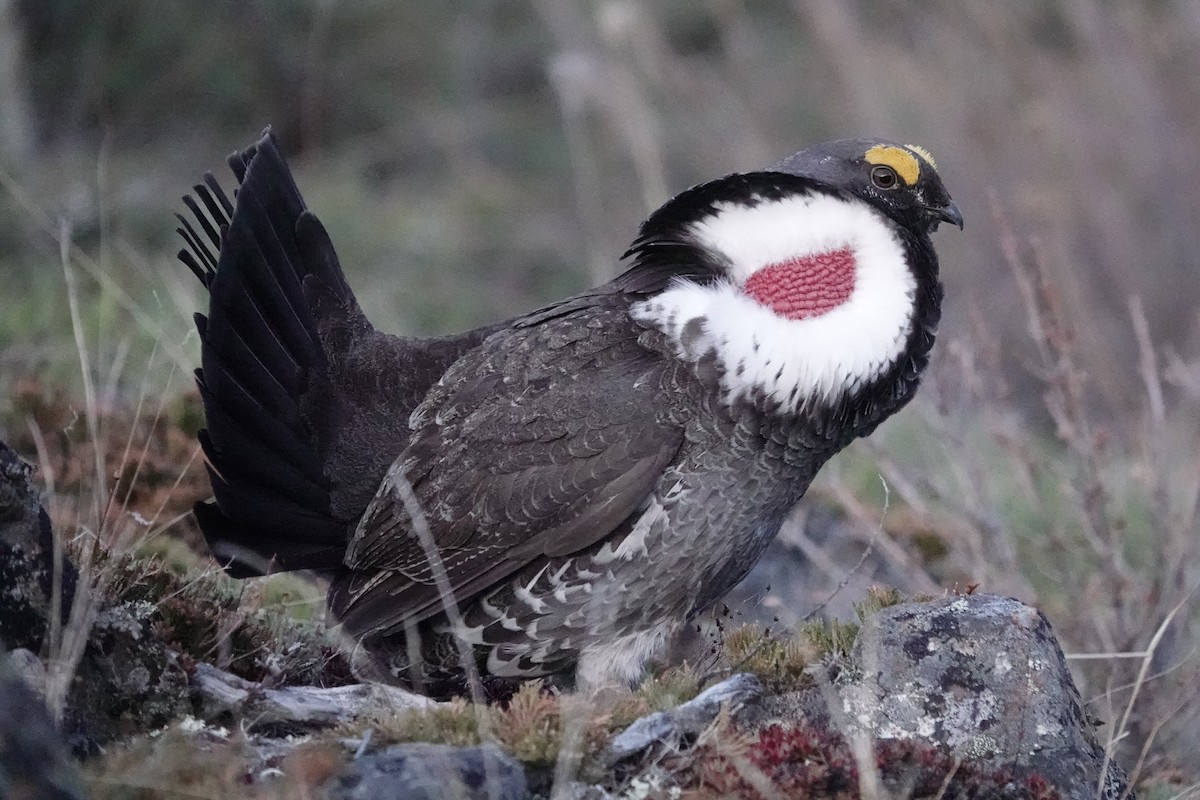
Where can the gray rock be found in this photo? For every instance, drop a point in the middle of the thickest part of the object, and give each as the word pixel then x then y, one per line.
pixel 26 558
pixel 432 772
pixel 33 762
pixel 685 721
pixel 128 681
pixel 26 665
pixel 984 676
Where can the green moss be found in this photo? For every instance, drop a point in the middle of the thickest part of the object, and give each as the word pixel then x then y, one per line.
pixel 455 723
pixel 832 639
pixel 173 555
pixel 531 728
pixel 211 617
pixel 779 663
pixel 669 687
pixel 187 762
pixel 878 598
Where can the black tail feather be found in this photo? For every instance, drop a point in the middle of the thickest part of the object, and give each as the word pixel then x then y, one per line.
pixel 258 504
pixel 214 199
pixel 260 356
pixel 205 225
pixel 324 265
pixel 234 359
pixel 275 450
pixel 240 160
pixel 200 259
pixel 203 274
pixel 244 562
pixel 270 268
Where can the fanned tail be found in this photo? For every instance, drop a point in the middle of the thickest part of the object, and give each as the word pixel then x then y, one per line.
pixel 261 356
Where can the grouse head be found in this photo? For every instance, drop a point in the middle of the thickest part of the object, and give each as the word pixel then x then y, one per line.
pixel 809 286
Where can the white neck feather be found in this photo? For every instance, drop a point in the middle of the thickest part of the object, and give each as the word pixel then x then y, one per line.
pixel 792 362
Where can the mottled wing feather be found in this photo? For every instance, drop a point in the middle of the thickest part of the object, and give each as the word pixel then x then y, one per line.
pixel 542 442
pixel 384 602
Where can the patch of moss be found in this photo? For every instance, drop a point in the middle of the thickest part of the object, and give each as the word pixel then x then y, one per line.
pixel 210 617
pixel 878 598
pixel 931 546
pixel 455 722
pixel 173 554
pixel 531 728
pixel 185 762
pixel 779 663
pixel 669 687
pixel 832 639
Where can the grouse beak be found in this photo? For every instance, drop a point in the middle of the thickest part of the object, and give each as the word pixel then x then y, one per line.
pixel 947 213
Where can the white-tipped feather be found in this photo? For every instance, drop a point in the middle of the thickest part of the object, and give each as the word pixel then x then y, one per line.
pixel 793 361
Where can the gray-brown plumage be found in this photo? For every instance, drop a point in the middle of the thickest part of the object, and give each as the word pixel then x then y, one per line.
pixel 591 474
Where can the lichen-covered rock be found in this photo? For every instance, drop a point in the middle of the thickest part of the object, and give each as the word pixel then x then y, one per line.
pixel 966 696
pixel 983 676
pixel 26 558
pixel 432 772
pixel 128 680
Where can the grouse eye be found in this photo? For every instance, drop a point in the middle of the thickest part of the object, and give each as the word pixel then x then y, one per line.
pixel 884 177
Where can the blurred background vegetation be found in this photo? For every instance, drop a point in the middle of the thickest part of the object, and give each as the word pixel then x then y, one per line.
pixel 517 145
pixel 473 160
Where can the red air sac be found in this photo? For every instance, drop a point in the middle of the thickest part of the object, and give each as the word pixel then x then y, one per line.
pixel 805 287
